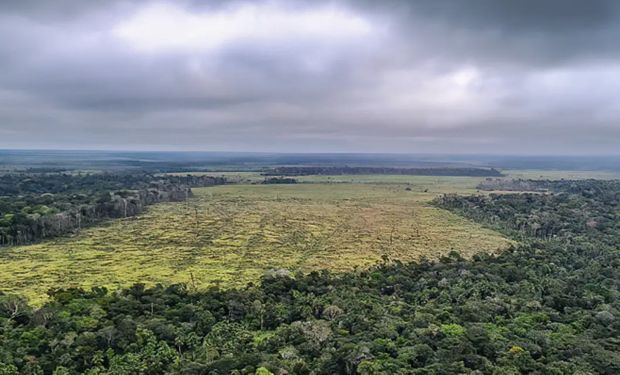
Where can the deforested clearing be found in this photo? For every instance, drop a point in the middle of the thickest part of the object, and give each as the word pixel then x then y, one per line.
pixel 230 235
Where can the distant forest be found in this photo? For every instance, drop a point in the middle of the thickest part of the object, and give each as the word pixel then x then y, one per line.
pixel 550 305
pixel 201 161
pixel 34 206
pixel 278 180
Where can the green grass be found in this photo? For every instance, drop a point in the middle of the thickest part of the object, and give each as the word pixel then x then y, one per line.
pixel 231 234
pixel 458 182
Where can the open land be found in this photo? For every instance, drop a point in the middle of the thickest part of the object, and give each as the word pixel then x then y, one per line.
pixel 229 235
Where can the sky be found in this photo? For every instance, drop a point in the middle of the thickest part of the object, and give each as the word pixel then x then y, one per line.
pixel 409 76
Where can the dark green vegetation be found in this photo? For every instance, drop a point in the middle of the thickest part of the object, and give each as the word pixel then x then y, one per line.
pixel 335 171
pixel 279 180
pixel 548 306
pixel 591 187
pixel 34 206
pixel 585 211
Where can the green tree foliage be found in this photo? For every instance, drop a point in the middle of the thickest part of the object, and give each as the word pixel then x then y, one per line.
pixel 36 206
pixel 550 305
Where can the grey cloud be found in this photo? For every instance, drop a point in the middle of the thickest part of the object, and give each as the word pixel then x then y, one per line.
pixel 514 33
pixel 434 76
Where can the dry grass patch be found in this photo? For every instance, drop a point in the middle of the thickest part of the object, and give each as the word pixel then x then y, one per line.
pixel 231 234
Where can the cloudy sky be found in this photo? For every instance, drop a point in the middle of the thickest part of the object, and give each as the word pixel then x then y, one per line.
pixel 475 76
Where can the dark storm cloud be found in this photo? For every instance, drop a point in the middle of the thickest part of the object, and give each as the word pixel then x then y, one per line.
pixel 519 35
pixel 406 76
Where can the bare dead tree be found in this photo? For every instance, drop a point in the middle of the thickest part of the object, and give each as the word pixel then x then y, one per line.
pixel 193 281
pixel 196 222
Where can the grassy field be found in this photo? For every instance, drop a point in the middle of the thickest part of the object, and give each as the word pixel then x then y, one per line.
pixel 231 234
pixel 249 177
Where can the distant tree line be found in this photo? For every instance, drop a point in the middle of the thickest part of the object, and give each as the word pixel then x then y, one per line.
pixel 549 305
pixel 566 186
pixel 278 180
pixel 574 209
pixel 345 170
pixel 37 206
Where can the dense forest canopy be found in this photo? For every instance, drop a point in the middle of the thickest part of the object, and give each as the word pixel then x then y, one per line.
pixel 550 305
pixel 590 186
pixel 575 211
pixel 42 205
